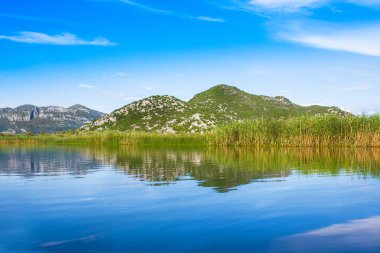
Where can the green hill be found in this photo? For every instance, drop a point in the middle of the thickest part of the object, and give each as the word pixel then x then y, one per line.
pixel 217 106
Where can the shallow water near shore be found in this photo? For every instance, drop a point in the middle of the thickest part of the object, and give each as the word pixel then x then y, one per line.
pixel 103 199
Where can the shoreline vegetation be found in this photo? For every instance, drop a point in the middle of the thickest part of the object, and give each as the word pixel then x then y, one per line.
pixel 319 131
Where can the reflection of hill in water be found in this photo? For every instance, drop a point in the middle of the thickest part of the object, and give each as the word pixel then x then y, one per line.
pixel 226 169
pixel 55 161
pixel 222 169
pixel 204 166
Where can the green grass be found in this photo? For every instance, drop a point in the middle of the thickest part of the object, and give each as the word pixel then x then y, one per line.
pixel 321 131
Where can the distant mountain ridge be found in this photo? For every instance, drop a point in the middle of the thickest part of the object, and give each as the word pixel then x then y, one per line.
pixel 49 119
pixel 214 107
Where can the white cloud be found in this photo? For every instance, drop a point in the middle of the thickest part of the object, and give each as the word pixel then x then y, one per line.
pixel 64 39
pixel 171 13
pixel 210 19
pixel 123 74
pixel 296 5
pixel 360 39
pixel 87 86
pixel 146 7
pixel 285 5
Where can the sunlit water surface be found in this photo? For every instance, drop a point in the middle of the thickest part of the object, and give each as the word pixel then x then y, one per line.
pixel 67 199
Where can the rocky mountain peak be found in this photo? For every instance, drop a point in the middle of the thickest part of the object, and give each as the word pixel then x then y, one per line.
pixel 78 107
pixel 30 118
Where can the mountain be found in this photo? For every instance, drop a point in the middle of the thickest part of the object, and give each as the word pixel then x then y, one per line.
pixel 219 105
pixel 227 103
pixel 30 118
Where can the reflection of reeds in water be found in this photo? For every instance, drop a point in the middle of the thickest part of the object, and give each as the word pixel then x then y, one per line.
pixel 220 168
pixel 304 160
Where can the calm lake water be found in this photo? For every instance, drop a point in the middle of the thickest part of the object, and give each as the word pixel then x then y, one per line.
pixel 67 199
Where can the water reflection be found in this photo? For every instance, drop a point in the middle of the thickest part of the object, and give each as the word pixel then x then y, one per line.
pixel 226 169
pixel 46 161
pixel 360 235
pixel 221 169
pixel 285 200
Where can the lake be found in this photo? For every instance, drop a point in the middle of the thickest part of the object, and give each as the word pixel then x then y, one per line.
pixel 104 199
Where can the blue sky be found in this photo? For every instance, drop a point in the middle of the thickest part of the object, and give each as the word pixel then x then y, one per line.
pixel 107 53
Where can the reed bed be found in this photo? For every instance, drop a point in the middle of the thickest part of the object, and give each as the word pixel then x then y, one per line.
pixel 113 138
pixel 322 131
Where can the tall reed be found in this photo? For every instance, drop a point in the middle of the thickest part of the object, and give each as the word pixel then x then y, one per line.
pixel 319 131
pixel 108 138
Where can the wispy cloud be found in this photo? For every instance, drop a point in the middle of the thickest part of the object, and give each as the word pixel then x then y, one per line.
pixel 360 39
pixel 146 7
pixel 210 19
pixel 172 13
pixel 284 5
pixel 296 5
pixel 123 74
pixel 87 86
pixel 64 39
